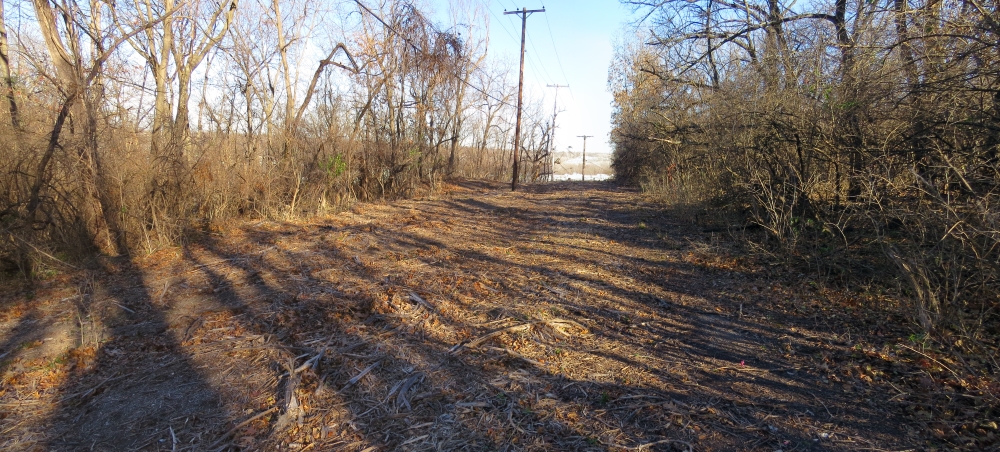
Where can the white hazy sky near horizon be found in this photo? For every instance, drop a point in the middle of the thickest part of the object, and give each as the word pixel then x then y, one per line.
pixel 571 43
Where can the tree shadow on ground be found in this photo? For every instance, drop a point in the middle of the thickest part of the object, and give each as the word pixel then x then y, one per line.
pixel 361 332
pixel 137 388
pixel 714 369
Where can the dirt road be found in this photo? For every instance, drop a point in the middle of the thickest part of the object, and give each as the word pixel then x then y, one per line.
pixel 565 317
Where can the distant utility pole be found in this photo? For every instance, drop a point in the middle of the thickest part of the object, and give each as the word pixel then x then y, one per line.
pixel 583 169
pixel 552 135
pixel 524 13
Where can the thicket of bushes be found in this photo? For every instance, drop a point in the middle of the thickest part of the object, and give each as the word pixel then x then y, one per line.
pixel 862 136
pixel 126 126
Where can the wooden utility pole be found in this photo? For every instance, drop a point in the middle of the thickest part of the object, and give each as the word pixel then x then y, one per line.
pixel 524 13
pixel 583 169
pixel 552 134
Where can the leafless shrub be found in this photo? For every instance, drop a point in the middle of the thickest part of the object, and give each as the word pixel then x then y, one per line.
pixel 859 136
pixel 218 123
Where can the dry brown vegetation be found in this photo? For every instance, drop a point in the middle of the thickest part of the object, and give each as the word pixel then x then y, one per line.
pixel 857 139
pixel 125 126
pixel 852 141
pixel 568 317
pixel 188 263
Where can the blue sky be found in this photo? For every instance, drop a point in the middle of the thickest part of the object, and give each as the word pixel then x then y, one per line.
pixel 579 35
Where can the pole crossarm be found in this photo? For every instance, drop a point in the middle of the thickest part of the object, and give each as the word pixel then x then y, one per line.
pixel 525 11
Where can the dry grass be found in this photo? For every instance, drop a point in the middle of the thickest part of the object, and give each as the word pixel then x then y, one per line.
pixel 478 319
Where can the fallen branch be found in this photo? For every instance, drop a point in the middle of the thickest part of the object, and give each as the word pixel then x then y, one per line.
pixel 654 443
pixel 932 359
pixel 404 387
pixel 43 253
pixel 416 298
pixel 314 361
pixel 553 324
pixel 293 408
pixel 222 261
pixel 475 342
pixel 517 355
pixel 359 376
pixel 241 425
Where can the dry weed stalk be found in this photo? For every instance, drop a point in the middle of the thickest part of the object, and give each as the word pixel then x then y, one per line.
pixel 862 142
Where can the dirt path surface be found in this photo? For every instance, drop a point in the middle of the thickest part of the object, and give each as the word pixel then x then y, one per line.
pixel 565 317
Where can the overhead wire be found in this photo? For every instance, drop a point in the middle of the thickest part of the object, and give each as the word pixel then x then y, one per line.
pixel 544 69
pixel 513 5
pixel 502 25
pixel 558 59
pixel 532 61
pixel 530 57
pixel 419 50
pixel 509 33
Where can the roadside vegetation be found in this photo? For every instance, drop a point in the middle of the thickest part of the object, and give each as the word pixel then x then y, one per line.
pixel 856 143
pixel 858 140
pixel 128 125
pixel 270 225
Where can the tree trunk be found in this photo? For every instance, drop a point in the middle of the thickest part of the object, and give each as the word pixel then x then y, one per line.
pixel 69 70
pixel 850 132
pixel 8 80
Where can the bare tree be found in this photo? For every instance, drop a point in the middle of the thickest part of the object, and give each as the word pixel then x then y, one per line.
pixel 836 123
pixel 76 72
pixel 285 133
pixel 5 73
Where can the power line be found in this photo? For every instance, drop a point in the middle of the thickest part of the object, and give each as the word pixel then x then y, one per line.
pixel 544 69
pixel 537 64
pixel 419 50
pixel 532 59
pixel 512 7
pixel 502 25
pixel 556 50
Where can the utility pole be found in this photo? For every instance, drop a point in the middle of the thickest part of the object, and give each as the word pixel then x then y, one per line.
pixel 552 135
pixel 583 169
pixel 524 13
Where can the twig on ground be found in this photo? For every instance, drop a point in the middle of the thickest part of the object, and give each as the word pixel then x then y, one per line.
pixel 932 359
pixel 241 425
pixel 163 293
pixel 413 440
pixel 517 355
pixel 87 392
pixel 314 361
pixel 416 298
pixel 553 324
pixel 654 443
pixel 195 324
pixel 359 376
